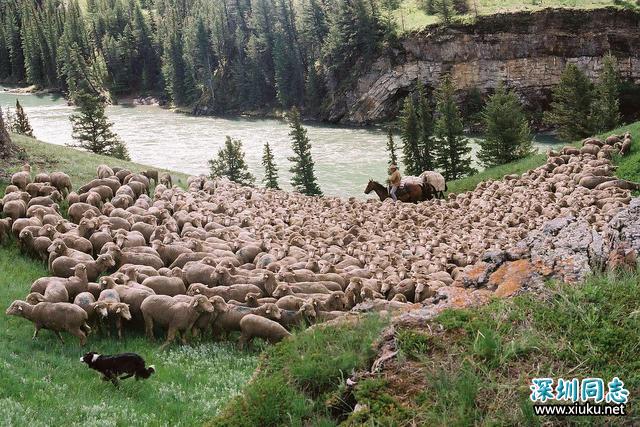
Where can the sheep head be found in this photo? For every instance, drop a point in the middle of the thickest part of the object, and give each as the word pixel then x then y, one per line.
pixel 101 307
pixel 34 298
pixel 281 291
pixel 272 311
pixel 252 299
pixel 196 289
pixel 106 261
pixel 121 309
pixel 201 304
pixel 107 282
pixel 219 304
pixel 17 308
pixel 308 309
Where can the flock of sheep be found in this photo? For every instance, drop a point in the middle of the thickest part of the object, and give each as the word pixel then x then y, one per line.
pixel 218 257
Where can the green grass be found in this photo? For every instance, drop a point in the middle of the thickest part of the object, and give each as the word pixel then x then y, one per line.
pixel 411 16
pixel 300 381
pixel 496 173
pixel 477 365
pixel 80 165
pixel 628 166
pixel 43 383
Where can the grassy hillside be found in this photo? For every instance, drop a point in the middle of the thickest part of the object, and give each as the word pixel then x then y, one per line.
pixel 300 381
pixel 476 369
pixel 80 165
pixel 411 15
pixel 628 166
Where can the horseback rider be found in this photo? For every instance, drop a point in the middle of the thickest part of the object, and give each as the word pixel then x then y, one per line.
pixel 394 181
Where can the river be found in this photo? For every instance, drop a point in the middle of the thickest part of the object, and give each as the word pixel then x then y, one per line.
pixel 345 158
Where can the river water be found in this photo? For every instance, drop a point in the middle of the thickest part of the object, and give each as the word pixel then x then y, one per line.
pixel 345 158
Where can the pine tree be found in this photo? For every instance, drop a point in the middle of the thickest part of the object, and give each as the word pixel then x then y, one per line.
pixel 571 107
pixel 92 130
pixel 508 135
pixel 303 179
pixel 21 124
pixel 429 7
pixel 453 154
pixel 231 163
pixel 410 133
pixel 445 10
pixel 314 89
pixel 606 105
pixel 391 148
pixel 7 148
pixel 425 124
pixel 270 170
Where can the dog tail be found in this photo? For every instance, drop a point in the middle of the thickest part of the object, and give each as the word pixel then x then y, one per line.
pixel 146 372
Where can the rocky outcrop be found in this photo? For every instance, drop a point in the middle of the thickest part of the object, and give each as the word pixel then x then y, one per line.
pixel 526 50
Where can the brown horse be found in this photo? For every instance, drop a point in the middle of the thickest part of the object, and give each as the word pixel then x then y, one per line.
pixel 409 193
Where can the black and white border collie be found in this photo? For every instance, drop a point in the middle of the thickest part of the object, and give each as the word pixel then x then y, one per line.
pixel 118 366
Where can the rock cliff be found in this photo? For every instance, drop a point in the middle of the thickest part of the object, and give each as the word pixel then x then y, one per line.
pixel 526 50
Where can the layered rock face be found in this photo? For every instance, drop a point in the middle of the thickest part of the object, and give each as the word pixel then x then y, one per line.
pixel 527 51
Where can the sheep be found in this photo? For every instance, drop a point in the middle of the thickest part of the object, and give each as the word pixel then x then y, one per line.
pixel 335 301
pixel 146 230
pixel 235 292
pixel 15 209
pixel 252 326
pixel 44 200
pixel 177 317
pixel 79 282
pixel 111 182
pixel 253 300
pixel 59 248
pixel 151 174
pixel 5 229
pixel 201 272
pixel 136 258
pixel 422 292
pixel 21 179
pixel 165 179
pixel 56 317
pixel 42 177
pixel 290 302
pixel 133 296
pixel 21 223
pixel 120 311
pixel 38 245
pixel 229 320
pixel 169 253
pixel 104 171
pixel 204 322
pixel 138 188
pixel 162 285
pixel 65 266
pixel 122 174
pixel 56 292
pixel 304 316
pixel 11 189
pixel 78 210
pixel 61 181
pixel 86 301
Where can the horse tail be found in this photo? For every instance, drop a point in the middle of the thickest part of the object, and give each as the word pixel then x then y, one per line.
pixel 446 188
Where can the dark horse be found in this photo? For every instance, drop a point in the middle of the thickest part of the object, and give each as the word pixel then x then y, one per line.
pixel 408 193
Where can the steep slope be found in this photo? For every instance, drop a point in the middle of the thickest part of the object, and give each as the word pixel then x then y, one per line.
pixel 526 50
